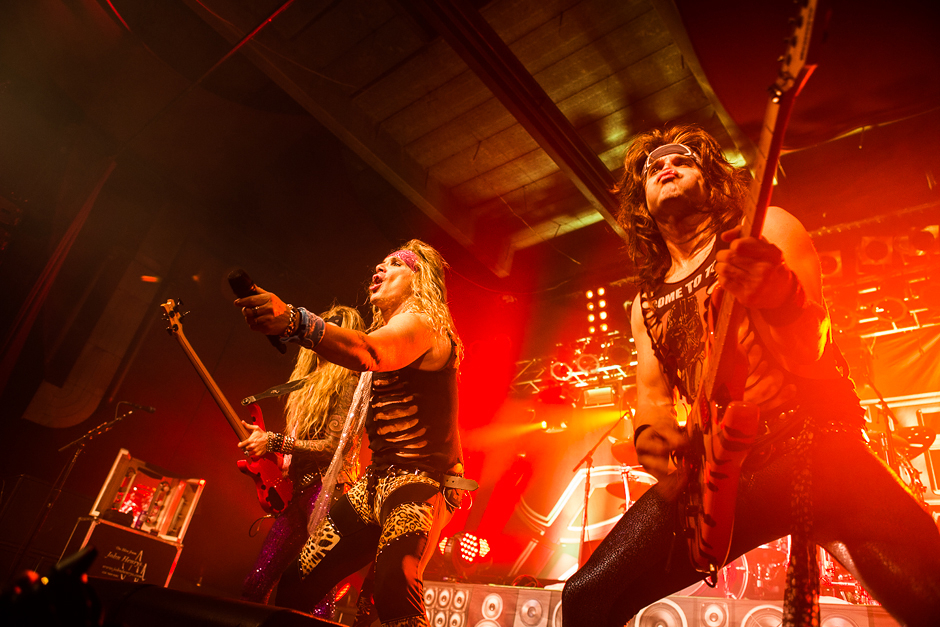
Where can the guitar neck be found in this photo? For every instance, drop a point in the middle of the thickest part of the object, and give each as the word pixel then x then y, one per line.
pixel 213 388
pixel 769 147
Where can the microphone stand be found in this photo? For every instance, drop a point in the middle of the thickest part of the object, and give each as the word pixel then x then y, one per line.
pixel 56 491
pixel 588 462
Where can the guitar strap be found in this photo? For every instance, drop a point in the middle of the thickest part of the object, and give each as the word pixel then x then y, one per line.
pixel 277 390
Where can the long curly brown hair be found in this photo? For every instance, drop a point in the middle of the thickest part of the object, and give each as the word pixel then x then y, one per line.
pixel 727 186
pixel 428 293
pixel 308 408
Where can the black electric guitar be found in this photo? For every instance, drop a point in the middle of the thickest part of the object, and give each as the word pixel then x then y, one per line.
pixel 274 489
pixel 720 437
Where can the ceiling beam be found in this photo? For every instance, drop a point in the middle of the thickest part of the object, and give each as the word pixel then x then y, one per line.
pixel 336 111
pixel 481 48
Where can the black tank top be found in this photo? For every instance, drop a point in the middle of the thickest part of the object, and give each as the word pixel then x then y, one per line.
pixel 675 318
pixel 413 419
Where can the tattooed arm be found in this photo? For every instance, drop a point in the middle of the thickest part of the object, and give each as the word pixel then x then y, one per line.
pixel 320 451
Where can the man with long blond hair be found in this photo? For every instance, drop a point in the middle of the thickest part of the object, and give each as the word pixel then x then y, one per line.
pixel 395 512
pixel 809 472
pixel 314 417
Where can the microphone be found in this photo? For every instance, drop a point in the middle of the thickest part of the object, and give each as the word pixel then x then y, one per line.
pixel 244 287
pixel 145 408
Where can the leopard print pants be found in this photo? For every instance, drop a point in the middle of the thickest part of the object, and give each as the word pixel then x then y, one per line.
pixel 397 524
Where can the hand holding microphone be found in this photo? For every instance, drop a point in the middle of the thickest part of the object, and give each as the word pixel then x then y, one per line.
pixel 260 308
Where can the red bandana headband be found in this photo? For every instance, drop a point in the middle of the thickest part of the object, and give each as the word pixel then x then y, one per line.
pixel 410 258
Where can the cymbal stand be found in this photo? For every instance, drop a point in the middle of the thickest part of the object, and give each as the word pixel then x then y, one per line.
pixel 56 491
pixel 588 461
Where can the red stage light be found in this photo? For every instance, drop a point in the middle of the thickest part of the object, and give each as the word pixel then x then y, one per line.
pixel 465 551
pixel 341 592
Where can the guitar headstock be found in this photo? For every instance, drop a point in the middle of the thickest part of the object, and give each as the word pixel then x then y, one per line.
pixel 798 61
pixel 173 316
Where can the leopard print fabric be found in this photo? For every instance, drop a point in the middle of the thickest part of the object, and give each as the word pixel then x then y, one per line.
pixel 318 546
pixel 407 518
pixel 358 497
pixel 387 485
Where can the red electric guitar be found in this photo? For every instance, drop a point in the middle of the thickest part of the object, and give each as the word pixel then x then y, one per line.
pixel 720 437
pixel 274 489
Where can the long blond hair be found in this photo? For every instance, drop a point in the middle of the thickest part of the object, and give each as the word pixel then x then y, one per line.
pixel 308 408
pixel 428 294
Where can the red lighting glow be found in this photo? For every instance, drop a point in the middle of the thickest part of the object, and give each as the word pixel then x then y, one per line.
pixel 341 592
pixel 464 549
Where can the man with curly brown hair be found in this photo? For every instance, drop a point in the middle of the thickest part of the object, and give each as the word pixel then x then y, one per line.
pixel 809 473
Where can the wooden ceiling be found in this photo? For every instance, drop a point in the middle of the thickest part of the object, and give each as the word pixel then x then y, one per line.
pixel 509 128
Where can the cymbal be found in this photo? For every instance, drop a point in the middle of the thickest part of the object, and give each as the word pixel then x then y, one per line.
pixel 916 440
pixel 637 489
pixel 625 453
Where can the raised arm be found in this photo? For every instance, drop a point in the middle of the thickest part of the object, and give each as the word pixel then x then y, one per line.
pixel 406 339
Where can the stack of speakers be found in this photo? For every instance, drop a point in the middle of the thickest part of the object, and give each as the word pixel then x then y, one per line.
pixel 476 605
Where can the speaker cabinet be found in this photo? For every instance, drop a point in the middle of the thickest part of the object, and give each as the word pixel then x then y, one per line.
pixel 678 611
pixel 446 604
pixel 477 605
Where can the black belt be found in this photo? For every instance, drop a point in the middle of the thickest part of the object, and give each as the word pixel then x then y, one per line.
pixel 446 480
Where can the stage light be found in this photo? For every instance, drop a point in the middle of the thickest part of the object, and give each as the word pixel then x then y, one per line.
pixel 604 327
pixel 560 371
pixel 589 294
pixel 601 291
pixel 874 251
pixel 599 397
pixel 918 242
pixel 465 551
pixel 590 317
pixel 830 263
pixel 890 309
pixel 603 315
pixel 602 304
pixel 341 592
pixel 587 362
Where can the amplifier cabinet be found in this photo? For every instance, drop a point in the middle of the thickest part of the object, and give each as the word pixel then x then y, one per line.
pixel 476 605
pixel 125 553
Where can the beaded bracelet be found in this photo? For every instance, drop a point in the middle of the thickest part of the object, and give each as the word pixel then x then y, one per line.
pixel 792 307
pixel 292 323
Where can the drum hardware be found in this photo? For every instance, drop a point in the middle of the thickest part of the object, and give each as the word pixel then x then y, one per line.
pixel 733 582
pixel 634 481
pixel 588 461
pixel 912 441
pixel 835 581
